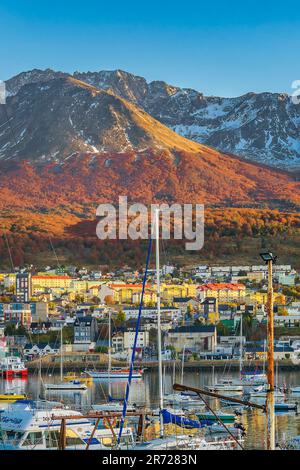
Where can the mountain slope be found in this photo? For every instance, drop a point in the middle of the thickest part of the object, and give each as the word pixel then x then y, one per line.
pixel 53 119
pixel 262 127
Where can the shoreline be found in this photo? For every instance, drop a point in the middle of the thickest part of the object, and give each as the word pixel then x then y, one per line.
pixel 192 365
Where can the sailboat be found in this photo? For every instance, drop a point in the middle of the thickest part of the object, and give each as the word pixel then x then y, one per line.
pixel 73 385
pixel 113 373
pixel 183 399
pixel 230 385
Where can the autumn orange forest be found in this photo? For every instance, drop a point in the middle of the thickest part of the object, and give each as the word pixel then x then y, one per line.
pixel 241 214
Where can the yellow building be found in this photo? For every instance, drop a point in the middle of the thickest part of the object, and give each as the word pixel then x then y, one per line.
pixel 169 291
pixel 129 293
pixel 61 283
pixel 123 293
pixel 262 298
pixel 9 281
pixel 224 292
pixel 150 297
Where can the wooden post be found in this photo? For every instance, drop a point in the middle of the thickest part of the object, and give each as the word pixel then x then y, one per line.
pixel 62 435
pixel 140 431
pixel 92 435
pixel 270 356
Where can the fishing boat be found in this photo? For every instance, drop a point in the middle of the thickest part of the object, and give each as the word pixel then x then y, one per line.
pixel 295 390
pixel 11 397
pixel 27 428
pixel 71 376
pixel 13 366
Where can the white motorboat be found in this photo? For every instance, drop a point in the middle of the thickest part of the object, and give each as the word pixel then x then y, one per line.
pixel 113 407
pixel 183 400
pixel 295 390
pixel 27 428
pixel 114 373
pixel 226 385
pixel 261 392
pixel 67 386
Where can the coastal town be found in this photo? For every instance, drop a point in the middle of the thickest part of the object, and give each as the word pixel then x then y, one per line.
pixel 201 310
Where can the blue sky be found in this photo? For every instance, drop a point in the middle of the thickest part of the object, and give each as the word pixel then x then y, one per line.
pixel 218 47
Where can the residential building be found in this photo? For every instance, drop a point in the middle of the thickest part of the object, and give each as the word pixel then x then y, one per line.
pixel 170 313
pixel 40 283
pixel 17 313
pixel 117 342
pixel 260 297
pixel 85 330
pixel 210 309
pixel 142 339
pixel 23 287
pixel 195 338
pixel 286 279
pixel 224 292
pixel 40 349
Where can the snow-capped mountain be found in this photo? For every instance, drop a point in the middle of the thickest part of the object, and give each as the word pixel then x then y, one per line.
pixel 51 120
pixel 261 127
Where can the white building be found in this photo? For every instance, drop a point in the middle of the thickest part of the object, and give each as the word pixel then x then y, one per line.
pixel 142 340
pixel 171 313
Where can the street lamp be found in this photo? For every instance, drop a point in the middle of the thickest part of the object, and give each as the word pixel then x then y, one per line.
pixel 269 259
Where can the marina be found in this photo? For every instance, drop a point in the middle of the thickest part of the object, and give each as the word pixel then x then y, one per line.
pixel 144 393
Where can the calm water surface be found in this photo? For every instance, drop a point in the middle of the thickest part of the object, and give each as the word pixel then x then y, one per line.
pixel 146 392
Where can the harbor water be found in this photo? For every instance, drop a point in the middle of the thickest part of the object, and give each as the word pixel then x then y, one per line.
pixel 145 392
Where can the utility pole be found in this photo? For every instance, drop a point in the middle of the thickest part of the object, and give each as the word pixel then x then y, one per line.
pixel 269 258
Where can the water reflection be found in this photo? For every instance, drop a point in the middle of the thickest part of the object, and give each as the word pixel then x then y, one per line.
pixel 145 392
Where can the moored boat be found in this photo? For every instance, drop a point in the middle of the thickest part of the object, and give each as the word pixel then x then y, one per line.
pixel 67 386
pixel 11 397
pixel 72 376
pixel 114 373
pixel 218 416
pixel 27 428
pixel 13 366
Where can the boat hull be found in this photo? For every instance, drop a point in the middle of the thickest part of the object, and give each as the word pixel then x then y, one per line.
pixel 113 376
pixel 14 373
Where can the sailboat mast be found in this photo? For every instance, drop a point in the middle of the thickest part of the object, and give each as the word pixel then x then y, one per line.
pixel 241 344
pixel 159 346
pixel 109 352
pixel 270 344
pixel 182 364
pixel 61 353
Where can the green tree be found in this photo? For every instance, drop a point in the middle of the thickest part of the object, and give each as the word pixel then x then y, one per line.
pixel 120 318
